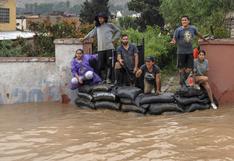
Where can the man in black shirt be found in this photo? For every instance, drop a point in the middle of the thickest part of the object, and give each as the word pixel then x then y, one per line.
pixel 127 62
pixel 151 73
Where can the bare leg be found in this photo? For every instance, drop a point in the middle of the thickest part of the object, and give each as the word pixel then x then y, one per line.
pixel 209 92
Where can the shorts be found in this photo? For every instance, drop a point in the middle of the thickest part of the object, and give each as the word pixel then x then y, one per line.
pixel 185 61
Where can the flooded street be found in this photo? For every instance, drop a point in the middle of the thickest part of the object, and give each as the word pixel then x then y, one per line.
pixel 55 132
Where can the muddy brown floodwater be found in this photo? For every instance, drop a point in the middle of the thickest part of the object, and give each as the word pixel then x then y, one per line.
pixel 56 132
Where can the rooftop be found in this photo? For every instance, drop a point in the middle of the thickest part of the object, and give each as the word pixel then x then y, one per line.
pixel 12 35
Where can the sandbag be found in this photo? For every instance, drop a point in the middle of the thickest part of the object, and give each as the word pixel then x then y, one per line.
pixel 82 103
pixel 189 92
pixel 132 108
pixel 159 108
pixel 152 98
pixel 102 88
pixel 107 105
pixel 128 92
pixel 145 106
pixel 126 101
pixel 103 96
pixel 204 95
pixel 187 101
pixel 196 106
pixel 85 89
pixel 85 96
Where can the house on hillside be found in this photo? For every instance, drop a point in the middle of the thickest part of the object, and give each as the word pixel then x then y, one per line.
pixel 8 22
pixel 7 15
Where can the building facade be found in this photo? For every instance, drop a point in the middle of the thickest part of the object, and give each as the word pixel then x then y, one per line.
pixel 7 15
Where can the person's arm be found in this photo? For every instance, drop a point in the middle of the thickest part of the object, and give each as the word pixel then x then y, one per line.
pixel 207 68
pixel 199 35
pixel 94 56
pixel 119 57
pixel 158 83
pixel 116 32
pixel 136 62
pixel 91 34
pixel 195 67
pixel 138 73
pixel 74 70
pixel 175 35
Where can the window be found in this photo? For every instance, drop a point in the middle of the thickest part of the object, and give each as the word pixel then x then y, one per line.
pixel 4 15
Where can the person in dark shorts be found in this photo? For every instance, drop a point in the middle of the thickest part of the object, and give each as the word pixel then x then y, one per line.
pixel 107 34
pixel 127 62
pixel 151 73
pixel 183 38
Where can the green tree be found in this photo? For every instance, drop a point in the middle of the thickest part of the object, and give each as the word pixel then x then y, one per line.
pixel 207 15
pixel 156 44
pixel 91 8
pixel 127 22
pixel 149 10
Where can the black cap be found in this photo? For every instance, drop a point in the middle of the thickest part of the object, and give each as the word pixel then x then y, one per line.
pixel 101 14
pixel 149 58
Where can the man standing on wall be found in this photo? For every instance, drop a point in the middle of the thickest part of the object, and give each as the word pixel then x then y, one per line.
pixel 127 62
pixel 107 34
pixel 183 37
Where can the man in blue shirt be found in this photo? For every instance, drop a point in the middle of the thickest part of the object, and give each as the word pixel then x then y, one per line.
pixel 183 38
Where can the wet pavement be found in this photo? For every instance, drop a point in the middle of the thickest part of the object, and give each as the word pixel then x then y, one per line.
pixel 56 132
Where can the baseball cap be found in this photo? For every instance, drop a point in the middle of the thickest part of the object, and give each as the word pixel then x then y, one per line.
pixel 149 58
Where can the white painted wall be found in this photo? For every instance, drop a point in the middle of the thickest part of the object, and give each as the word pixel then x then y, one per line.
pixel 24 82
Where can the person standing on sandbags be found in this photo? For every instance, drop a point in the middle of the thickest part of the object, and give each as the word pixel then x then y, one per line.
pixel 151 73
pixel 127 62
pixel 183 38
pixel 107 34
pixel 81 70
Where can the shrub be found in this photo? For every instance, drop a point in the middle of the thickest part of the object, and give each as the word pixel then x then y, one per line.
pixel 156 44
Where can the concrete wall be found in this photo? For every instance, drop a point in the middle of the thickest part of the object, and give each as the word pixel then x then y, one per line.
pixel 220 54
pixel 11 4
pixel 26 80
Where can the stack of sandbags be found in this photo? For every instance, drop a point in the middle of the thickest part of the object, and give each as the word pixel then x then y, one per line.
pixel 158 104
pixel 131 99
pixel 126 96
pixel 191 99
pixel 103 98
pixel 84 98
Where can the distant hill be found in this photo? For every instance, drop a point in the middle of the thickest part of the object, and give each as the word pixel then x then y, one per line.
pixel 21 3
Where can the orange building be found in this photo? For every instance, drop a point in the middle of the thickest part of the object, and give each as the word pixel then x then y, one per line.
pixel 7 15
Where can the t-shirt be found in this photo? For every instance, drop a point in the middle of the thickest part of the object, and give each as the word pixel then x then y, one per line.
pixel 128 55
pixel 106 34
pixel 184 38
pixel 150 76
pixel 200 68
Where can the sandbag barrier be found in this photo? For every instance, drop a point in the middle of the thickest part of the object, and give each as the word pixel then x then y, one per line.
pixel 132 99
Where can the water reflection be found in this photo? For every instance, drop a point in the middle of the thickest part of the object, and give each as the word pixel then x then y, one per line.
pixel 58 132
